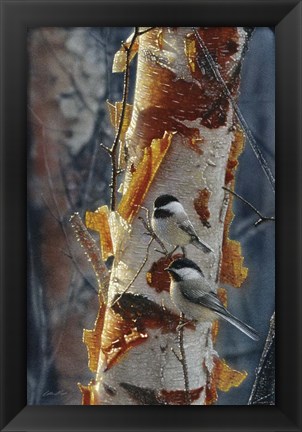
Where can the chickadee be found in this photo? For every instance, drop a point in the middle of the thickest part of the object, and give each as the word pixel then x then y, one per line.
pixel 192 295
pixel 170 223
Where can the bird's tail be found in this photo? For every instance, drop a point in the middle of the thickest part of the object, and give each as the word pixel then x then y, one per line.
pixel 202 245
pixel 246 329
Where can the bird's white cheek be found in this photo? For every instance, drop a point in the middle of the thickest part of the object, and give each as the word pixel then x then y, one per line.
pixel 191 310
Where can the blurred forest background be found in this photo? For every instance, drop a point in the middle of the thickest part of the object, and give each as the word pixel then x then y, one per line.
pixel 70 80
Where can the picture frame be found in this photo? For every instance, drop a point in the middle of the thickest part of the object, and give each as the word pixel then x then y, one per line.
pixel 16 18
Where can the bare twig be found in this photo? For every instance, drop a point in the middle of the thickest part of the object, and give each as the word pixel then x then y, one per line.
pixel 40 121
pixel 136 274
pixel 92 252
pixel 176 355
pixel 147 225
pixel 261 217
pixel 182 356
pixel 107 149
pixel 79 270
pixel 56 218
pixel 183 359
pixel 140 33
pixel 113 151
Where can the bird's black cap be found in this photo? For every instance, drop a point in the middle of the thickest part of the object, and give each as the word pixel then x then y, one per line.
pixel 163 200
pixel 184 262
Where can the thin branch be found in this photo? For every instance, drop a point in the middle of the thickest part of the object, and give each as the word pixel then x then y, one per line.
pixel 148 227
pixel 136 274
pixel 140 33
pixel 65 183
pixel 95 289
pixel 93 159
pixel 261 217
pixel 40 121
pixel 56 218
pixel 107 149
pixel 183 359
pixel 252 141
pixel 93 254
pixel 114 149
pixel 176 355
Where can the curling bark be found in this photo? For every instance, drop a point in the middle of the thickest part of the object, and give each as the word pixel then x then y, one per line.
pixel 182 140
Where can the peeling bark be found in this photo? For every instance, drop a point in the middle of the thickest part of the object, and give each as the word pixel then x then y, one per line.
pixel 181 140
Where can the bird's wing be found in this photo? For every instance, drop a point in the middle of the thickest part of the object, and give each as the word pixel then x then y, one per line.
pixel 207 299
pixel 187 227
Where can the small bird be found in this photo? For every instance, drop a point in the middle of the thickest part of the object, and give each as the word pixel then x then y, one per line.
pixel 192 295
pixel 171 224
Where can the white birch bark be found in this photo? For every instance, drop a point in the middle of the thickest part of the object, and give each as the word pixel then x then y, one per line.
pixel 183 173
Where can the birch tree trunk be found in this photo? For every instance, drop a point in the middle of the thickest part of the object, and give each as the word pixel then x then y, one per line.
pixel 183 140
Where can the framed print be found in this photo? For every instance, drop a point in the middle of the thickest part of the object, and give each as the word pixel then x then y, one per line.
pixel 138 216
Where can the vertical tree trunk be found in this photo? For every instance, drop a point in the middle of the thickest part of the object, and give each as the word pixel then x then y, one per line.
pixel 181 140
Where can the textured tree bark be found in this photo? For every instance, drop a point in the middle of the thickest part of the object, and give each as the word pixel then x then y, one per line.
pixel 182 140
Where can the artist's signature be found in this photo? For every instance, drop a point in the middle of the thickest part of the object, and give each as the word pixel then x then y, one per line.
pixel 49 393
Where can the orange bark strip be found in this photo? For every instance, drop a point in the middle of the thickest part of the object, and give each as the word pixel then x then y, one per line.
pixel 115 117
pixel 98 221
pixel 93 254
pixel 127 325
pixel 92 339
pixel 215 330
pixel 235 151
pixel 160 38
pixel 179 397
pixel 223 378
pixel 201 203
pixel 143 176
pixel 191 50
pixel 194 141
pixel 226 377
pixel 89 394
pixel 222 295
pixel 119 61
pixel 232 270
pixel 164 92
pixel 156 277
pixel 119 336
pixel 211 393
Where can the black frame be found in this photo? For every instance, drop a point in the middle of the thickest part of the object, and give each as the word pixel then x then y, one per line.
pixel 16 17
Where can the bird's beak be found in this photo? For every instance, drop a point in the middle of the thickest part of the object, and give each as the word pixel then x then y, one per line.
pixel 167 269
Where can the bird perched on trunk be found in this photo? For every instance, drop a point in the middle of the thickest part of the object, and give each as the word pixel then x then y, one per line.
pixel 171 224
pixel 192 295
